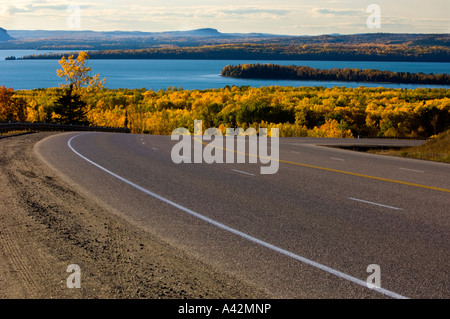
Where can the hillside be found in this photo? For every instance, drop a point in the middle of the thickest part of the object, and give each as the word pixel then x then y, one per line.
pixel 4 36
pixel 436 149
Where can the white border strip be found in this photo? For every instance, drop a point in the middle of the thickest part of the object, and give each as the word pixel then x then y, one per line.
pixel 239 233
pixel 372 203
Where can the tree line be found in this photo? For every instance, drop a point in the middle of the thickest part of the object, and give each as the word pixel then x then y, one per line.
pixel 275 51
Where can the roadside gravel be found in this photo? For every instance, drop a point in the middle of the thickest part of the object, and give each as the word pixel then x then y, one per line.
pixel 47 225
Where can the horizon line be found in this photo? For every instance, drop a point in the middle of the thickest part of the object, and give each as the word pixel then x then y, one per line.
pixel 224 33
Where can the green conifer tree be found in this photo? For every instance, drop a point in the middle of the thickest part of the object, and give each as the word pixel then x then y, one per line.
pixel 70 109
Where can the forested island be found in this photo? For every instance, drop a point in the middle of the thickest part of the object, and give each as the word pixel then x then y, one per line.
pixel 293 72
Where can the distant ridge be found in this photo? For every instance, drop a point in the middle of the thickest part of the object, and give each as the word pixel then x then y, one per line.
pixel 135 40
pixel 4 36
pixel 204 32
pixel 208 32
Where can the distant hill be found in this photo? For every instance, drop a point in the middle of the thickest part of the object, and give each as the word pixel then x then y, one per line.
pixel 4 36
pixel 134 40
pixel 198 33
pixel 207 32
pixel 116 40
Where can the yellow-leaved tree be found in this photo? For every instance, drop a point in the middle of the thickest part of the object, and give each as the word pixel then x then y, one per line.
pixel 77 74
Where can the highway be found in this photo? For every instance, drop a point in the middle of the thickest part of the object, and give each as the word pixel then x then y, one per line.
pixel 311 230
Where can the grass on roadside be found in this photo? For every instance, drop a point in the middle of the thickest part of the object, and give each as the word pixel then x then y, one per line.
pixel 12 133
pixel 436 149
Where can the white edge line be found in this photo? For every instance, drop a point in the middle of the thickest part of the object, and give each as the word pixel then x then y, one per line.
pixel 242 172
pixel 411 170
pixel 239 233
pixel 372 203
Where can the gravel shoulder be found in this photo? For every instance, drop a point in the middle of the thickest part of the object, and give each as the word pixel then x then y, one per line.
pixel 46 224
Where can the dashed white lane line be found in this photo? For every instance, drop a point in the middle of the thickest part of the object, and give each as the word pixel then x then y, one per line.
pixel 337 159
pixel 242 172
pixel 372 203
pixel 239 233
pixel 411 170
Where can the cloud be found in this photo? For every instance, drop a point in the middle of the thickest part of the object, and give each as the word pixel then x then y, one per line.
pixel 294 16
pixel 254 10
pixel 36 7
pixel 336 12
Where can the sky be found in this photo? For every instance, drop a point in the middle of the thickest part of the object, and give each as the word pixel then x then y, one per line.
pixel 289 17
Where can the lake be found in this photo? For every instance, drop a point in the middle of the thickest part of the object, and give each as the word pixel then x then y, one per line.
pixel 187 74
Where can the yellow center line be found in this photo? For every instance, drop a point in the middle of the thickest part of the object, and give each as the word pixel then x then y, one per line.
pixel 336 170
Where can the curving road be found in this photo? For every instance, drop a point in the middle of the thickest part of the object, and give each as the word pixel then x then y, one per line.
pixel 328 220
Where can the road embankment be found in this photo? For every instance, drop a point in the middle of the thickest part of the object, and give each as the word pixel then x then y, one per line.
pixel 47 225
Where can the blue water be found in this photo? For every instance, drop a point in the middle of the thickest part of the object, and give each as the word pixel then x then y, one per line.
pixel 187 74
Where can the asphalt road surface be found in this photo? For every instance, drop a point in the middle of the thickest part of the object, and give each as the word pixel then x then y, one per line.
pixel 330 223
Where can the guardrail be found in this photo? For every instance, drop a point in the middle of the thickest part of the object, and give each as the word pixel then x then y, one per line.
pixel 8 127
